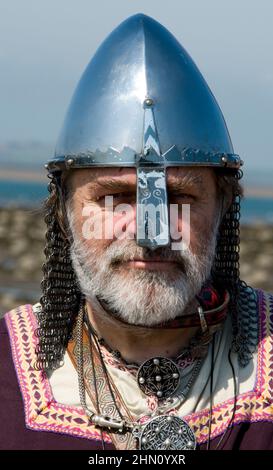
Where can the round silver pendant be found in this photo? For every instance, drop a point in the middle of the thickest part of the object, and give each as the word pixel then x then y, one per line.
pixel 158 376
pixel 166 433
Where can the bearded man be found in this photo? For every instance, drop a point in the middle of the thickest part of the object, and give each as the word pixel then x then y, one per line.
pixel 144 337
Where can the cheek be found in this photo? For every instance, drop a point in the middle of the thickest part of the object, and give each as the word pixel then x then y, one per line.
pixel 89 224
pixel 102 226
pixel 200 226
pixel 124 222
pixel 96 247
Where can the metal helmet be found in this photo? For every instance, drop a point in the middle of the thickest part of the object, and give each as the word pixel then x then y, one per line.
pixel 143 103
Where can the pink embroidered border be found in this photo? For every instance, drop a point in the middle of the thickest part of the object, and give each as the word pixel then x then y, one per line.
pixel 43 413
pixel 252 406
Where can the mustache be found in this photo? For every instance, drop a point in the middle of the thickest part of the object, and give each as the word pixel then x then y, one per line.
pixel 121 253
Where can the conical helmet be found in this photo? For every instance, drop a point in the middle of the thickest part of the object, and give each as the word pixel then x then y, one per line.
pixel 143 103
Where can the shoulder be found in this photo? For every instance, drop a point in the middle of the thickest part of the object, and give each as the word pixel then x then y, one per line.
pixel 265 294
pixel 7 374
pixel 264 382
pixel 11 403
pixel 21 319
pixel 3 330
pixel 14 325
pixel 27 404
pixel 265 310
pixel 264 318
pixel 5 353
pixel 17 332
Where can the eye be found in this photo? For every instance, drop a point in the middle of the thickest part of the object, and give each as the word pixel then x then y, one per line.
pixel 186 197
pixel 117 197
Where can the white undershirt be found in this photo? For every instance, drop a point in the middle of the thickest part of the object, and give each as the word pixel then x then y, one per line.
pixel 64 381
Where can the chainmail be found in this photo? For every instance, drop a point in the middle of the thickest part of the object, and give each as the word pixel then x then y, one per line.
pixel 226 274
pixel 61 293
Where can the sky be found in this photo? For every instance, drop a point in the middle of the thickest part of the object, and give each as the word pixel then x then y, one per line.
pixel 46 45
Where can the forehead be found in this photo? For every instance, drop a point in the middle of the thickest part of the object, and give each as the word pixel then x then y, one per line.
pixel 83 177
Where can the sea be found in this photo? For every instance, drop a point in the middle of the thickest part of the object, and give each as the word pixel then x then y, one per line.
pixel 25 194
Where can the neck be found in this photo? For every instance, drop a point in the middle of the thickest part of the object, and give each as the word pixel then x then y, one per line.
pixel 136 344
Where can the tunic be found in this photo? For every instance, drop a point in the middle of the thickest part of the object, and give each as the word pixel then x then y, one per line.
pixel 38 415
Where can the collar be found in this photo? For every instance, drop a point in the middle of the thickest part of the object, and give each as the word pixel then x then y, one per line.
pixel 214 307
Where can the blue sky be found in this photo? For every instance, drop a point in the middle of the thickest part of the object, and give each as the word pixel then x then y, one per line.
pixel 45 46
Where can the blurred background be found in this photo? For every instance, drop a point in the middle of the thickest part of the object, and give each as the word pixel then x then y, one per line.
pixel 44 48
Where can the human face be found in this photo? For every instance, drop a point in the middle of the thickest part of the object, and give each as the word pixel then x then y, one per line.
pixel 142 286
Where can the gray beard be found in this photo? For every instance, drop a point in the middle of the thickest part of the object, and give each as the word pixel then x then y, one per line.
pixel 137 296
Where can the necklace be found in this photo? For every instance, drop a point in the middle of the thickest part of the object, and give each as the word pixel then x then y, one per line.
pixel 160 430
pixel 164 431
pixel 160 376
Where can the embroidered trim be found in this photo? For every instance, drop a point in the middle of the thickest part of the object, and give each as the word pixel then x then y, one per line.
pixel 110 359
pixel 252 406
pixel 43 413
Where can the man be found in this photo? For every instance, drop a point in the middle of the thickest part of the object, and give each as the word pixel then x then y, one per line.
pixel 145 337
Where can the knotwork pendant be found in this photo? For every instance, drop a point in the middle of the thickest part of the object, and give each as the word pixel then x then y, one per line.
pixel 158 376
pixel 165 433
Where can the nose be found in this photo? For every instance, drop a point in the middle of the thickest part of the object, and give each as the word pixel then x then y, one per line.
pixel 152 215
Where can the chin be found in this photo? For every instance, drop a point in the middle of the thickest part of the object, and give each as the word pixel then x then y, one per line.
pixel 147 299
pixel 151 275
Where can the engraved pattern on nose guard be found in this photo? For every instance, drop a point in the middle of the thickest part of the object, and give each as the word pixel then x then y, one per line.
pixel 152 200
